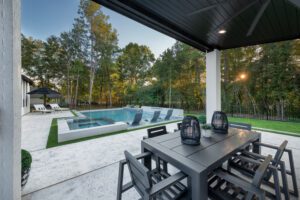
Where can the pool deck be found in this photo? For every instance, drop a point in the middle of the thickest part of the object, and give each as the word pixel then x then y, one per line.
pixel 88 170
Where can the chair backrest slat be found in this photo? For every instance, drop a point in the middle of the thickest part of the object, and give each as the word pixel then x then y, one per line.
pixel 179 125
pixel 139 174
pixel 243 126
pixel 157 131
pixel 261 171
pixel 277 158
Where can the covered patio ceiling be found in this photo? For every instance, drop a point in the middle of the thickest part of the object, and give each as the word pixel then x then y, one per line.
pixel 202 23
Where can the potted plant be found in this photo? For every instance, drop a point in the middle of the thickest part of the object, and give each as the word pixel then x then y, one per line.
pixel 26 160
pixel 202 119
pixel 206 130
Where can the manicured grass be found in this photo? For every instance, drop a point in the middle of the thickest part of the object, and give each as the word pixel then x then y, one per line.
pixel 275 126
pixel 293 127
pixel 53 139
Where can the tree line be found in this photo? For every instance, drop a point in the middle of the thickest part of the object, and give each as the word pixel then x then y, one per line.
pixel 87 66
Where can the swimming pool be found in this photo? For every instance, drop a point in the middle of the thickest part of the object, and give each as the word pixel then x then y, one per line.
pixel 118 114
pixel 96 122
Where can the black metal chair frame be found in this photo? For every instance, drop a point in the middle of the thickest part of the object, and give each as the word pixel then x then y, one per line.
pixel 276 164
pixel 236 184
pixel 291 172
pixel 178 127
pixel 153 189
pixel 244 126
pixel 154 132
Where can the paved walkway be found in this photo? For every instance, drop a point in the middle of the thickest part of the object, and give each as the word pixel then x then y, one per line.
pixel 89 170
pixel 35 129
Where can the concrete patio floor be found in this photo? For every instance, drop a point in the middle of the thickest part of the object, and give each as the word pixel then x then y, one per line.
pixel 89 170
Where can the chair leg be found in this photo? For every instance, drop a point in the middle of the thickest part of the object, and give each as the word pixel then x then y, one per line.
pixel 284 180
pixel 165 166
pixel 277 184
pixel 120 180
pixel 293 172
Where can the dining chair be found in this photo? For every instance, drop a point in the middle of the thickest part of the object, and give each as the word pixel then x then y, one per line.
pixel 178 127
pixel 154 132
pixel 249 169
pixel 225 185
pixel 150 184
pixel 243 126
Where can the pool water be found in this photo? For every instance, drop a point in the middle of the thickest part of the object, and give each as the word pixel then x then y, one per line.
pixel 117 115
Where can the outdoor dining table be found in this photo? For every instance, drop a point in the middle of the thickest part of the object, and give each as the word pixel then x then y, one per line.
pixel 198 161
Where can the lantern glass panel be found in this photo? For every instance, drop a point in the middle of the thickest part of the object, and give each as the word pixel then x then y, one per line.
pixel 190 131
pixel 219 122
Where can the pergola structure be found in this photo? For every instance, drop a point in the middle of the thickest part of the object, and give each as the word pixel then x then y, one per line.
pixel 208 25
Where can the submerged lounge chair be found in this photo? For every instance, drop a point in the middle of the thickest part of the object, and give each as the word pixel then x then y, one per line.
pixel 155 116
pixel 56 107
pixel 41 108
pixel 169 114
pixel 137 118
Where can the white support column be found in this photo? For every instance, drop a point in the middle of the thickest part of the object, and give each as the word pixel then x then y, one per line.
pixel 10 100
pixel 213 83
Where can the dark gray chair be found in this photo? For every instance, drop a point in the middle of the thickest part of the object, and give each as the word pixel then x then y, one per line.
pixel 244 126
pixel 178 127
pixel 150 184
pixel 249 169
pixel 225 185
pixel 154 132
pixel 169 114
pixel 137 118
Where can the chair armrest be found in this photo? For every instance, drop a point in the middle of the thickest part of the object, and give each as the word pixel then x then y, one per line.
pixel 165 183
pixel 255 155
pixel 246 159
pixel 266 145
pixel 245 185
pixel 138 157
pixel 250 160
pixel 258 156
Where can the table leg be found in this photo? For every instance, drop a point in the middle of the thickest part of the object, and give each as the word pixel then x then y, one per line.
pixel 197 185
pixel 146 161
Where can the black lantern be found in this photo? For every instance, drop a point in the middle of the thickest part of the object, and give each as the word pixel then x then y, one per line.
pixel 190 131
pixel 219 122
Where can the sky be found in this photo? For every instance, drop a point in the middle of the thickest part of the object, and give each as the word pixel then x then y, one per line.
pixel 42 18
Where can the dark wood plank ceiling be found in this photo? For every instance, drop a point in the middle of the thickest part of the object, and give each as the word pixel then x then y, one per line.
pixel 198 22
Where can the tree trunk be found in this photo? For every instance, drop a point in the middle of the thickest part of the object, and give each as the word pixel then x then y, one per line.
pixel 282 108
pixel 92 76
pixel 252 101
pixel 110 96
pixel 68 84
pixel 76 90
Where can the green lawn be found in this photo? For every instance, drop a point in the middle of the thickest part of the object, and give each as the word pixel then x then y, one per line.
pixel 293 127
pixel 275 126
pixel 53 140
